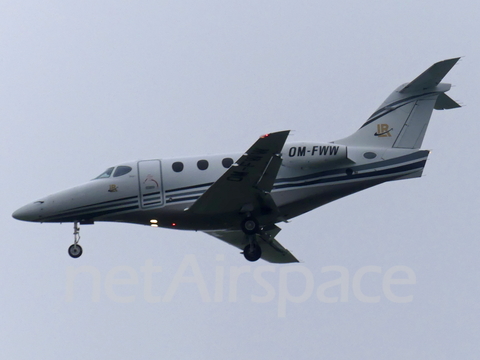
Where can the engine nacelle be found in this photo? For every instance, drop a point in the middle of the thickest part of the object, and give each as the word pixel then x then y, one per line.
pixel 314 155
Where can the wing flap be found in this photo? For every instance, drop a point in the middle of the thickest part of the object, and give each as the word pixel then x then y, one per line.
pixel 270 174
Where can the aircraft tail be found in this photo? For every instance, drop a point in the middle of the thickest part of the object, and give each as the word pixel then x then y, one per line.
pixel 402 119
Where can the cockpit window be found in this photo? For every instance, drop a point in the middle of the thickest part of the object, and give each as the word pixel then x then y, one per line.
pixel 105 174
pixel 121 170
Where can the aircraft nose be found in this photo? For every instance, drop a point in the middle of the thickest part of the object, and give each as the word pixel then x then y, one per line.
pixel 30 212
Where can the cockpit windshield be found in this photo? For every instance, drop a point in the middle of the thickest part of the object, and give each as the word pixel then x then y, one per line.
pixel 105 174
pixel 119 171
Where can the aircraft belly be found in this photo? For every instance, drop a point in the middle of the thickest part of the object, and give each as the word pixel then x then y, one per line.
pixel 174 217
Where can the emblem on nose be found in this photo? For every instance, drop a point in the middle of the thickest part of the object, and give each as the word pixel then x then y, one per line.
pixel 113 188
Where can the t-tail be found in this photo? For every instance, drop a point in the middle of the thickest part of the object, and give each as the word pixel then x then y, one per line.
pixel 402 120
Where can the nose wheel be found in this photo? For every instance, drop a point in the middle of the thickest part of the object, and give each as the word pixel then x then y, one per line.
pixel 75 250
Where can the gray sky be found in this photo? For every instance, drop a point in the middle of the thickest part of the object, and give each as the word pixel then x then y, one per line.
pixel 86 85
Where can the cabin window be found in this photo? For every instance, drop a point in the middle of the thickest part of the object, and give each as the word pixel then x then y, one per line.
pixel 105 174
pixel 202 164
pixel 121 170
pixel 227 162
pixel 177 166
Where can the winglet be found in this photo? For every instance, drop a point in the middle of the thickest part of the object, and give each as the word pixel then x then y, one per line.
pixel 430 77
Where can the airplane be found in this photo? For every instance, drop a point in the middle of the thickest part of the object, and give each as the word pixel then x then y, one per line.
pixel 240 198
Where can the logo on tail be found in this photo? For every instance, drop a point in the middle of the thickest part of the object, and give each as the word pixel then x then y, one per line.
pixel 383 130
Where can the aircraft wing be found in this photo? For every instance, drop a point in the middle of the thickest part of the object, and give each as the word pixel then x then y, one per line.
pixel 246 185
pixel 272 250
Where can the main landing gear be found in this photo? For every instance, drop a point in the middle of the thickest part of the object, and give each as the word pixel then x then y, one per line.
pixel 75 250
pixel 250 227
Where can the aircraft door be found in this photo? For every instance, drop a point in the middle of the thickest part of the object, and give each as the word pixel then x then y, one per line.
pixel 150 182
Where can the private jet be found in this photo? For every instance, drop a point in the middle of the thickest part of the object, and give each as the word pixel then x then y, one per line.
pixel 240 198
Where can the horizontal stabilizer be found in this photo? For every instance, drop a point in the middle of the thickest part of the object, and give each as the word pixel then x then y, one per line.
pixel 445 102
pixel 430 77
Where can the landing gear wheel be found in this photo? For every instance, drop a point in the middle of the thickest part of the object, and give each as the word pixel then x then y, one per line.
pixel 250 226
pixel 252 252
pixel 75 251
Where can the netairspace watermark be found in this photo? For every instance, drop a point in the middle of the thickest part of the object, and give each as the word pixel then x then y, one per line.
pixel 226 281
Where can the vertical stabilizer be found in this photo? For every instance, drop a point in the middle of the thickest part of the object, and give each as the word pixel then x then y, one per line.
pixel 402 120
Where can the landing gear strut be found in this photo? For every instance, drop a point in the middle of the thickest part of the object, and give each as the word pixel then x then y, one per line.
pixel 250 227
pixel 75 250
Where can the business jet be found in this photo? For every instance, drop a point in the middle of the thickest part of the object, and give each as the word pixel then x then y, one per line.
pixel 240 198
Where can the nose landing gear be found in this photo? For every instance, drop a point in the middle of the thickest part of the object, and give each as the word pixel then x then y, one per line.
pixel 75 250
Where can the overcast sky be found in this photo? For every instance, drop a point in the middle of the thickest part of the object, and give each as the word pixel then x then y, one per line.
pixel 85 85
